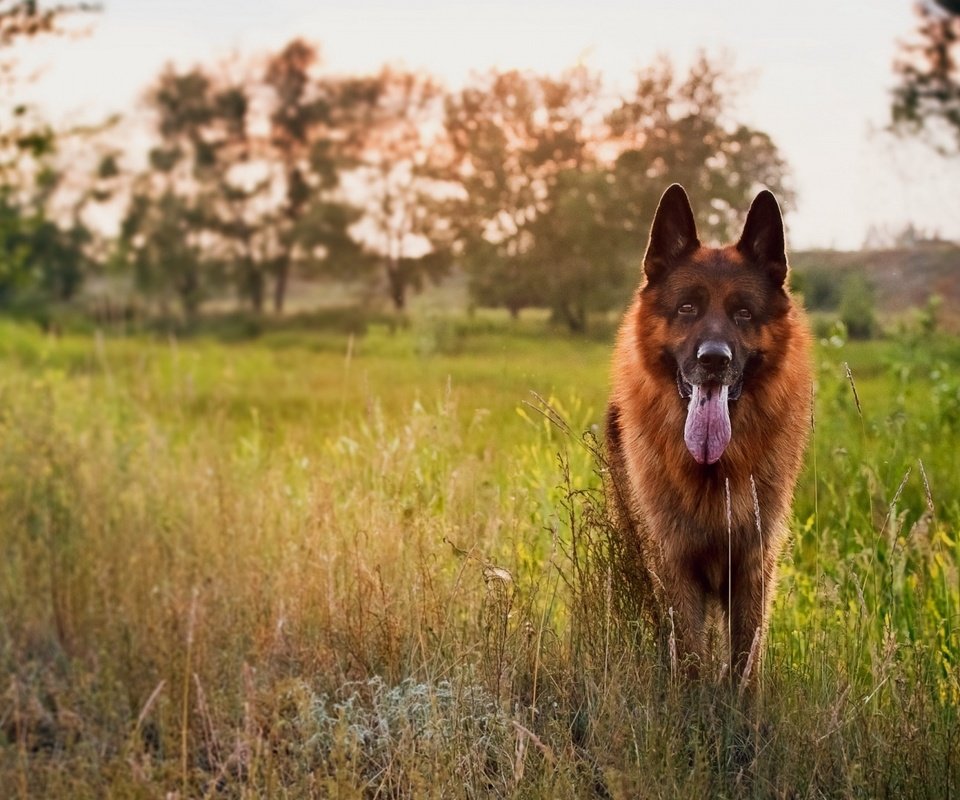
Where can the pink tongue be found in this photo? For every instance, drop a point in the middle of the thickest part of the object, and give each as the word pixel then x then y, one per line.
pixel 707 431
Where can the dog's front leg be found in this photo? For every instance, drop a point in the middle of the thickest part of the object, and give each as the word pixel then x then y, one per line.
pixel 686 597
pixel 750 601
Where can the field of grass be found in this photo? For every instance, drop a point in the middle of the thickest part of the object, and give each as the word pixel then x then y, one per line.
pixel 320 566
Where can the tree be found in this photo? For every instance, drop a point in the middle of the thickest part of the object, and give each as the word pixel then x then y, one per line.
pixel 41 258
pixel 165 234
pixel 245 179
pixel 926 99
pixel 856 307
pixel 673 130
pixel 24 19
pixel 513 135
pixel 239 217
pixel 577 253
pixel 159 241
pixel 244 225
pixel 405 225
pixel 559 197
pixel 21 133
pixel 316 130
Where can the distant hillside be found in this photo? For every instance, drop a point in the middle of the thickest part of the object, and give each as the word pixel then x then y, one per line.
pixel 902 279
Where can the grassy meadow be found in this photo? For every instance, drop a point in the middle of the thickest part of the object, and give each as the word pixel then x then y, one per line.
pixel 321 565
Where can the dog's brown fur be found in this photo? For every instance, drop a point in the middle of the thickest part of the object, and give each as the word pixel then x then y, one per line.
pixel 674 506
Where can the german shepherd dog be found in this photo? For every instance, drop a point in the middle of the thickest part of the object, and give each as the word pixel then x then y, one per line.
pixel 707 423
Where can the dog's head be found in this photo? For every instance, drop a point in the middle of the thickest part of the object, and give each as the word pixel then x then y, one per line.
pixel 716 306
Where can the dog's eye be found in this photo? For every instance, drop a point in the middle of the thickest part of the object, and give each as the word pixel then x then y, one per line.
pixel 742 315
pixel 686 309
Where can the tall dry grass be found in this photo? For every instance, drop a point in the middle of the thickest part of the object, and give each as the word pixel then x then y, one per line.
pixel 255 572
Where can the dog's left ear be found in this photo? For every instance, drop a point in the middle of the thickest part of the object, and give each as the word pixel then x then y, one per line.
pixel 762 239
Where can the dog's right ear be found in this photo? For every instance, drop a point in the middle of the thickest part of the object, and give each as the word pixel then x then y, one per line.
pixel 673 234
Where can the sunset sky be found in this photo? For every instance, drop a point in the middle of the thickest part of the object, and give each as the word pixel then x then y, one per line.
pixel 816 74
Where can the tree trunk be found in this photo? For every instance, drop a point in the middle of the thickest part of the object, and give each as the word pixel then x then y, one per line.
pixel 189 291
pixel 397 285
pixel 298 193
pixel 255 288
pixel 280 287
pixel 576 318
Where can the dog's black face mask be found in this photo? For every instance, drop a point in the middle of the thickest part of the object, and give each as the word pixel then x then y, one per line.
pixel 716 303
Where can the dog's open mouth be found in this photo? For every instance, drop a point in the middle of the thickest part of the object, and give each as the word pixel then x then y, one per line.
pixel 686 389
pixel 707 429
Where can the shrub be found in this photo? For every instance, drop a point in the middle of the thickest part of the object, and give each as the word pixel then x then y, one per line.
pixel 857 307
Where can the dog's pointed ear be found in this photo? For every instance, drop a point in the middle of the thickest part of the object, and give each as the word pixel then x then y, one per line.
pixel 761 242
pixel 672 235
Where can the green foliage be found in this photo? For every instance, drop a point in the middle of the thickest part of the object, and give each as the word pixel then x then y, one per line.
pixel 39 260
pixel 160 244
pixel 821 288
pixel 170 208
pixel 261 171
pixel 316 124
pixel 240 209
pixel 857 307
pixel 550 218
pixel 15 269
pixel 578 253
pixel 514 135
pixel 928 318
pixel 677 129
pixel 43 259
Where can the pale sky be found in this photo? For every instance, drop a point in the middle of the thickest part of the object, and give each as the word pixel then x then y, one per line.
pixel 817 72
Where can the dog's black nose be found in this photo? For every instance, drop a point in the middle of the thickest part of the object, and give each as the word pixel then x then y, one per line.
pixel 714 356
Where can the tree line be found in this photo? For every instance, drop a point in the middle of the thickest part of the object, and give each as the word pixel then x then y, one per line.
pixel 538 188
